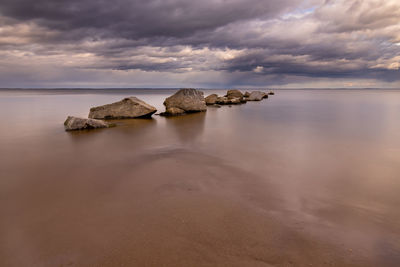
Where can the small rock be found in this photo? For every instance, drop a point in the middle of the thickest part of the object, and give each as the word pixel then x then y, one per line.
pixel 211 99
pixel 75 123
pixel 215 106
pixel 247 94
pixel 271 93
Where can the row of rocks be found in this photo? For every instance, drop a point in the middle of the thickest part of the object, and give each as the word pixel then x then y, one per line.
pixel 182 102
pixel 234 97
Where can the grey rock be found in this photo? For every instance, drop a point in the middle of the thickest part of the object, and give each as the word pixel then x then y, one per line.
pixel 75 123
pixel 188 100
pixel 234 94
pixel 211 99
pixel 256 96
pixel 127 108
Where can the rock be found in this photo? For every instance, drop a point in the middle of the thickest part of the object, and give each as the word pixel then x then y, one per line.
pixel 236 101
pixel 131 107
pixel 234 94
pixel 173 111
pixel 188 100
pixel 222 100
pixel 265 95
pixel 271 93
pixel 211 99
pixel 256 96
pixel 247 94
pixel 75 123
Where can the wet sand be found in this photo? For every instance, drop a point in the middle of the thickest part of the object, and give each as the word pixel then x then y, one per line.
pixel 306 178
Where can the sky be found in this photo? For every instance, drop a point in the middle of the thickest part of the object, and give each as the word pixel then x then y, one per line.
pixel 201 44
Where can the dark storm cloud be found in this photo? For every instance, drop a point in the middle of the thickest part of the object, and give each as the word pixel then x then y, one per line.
pixel 244 42
pixel 134 19
pixel 259 63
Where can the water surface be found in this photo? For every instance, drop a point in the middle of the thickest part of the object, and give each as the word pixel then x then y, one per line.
pixel 306 177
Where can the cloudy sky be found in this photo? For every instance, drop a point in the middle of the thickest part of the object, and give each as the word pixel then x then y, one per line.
pixel 206 44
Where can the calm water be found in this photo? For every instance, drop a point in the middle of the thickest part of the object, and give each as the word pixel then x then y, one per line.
pixel 306 177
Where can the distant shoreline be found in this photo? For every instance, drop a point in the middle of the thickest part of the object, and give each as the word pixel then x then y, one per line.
pixel 177 88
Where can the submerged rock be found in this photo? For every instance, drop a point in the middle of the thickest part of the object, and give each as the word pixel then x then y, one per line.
pixel 216 106
pixel 75 123
pixel 130 107
pixel 184 101
pixel 211 99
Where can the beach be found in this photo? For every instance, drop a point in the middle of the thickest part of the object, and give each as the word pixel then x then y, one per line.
pixel 303 178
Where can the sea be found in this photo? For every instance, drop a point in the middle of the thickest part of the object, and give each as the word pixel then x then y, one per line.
pixel 307 177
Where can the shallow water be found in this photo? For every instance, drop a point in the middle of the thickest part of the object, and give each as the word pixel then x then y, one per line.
pixel 306 177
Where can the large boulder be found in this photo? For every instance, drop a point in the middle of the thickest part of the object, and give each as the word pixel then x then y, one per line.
pixel 211 99
pixel 185 101
pixel 75 123
pixel 234 94
pixel 255 96
pixel 130 107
